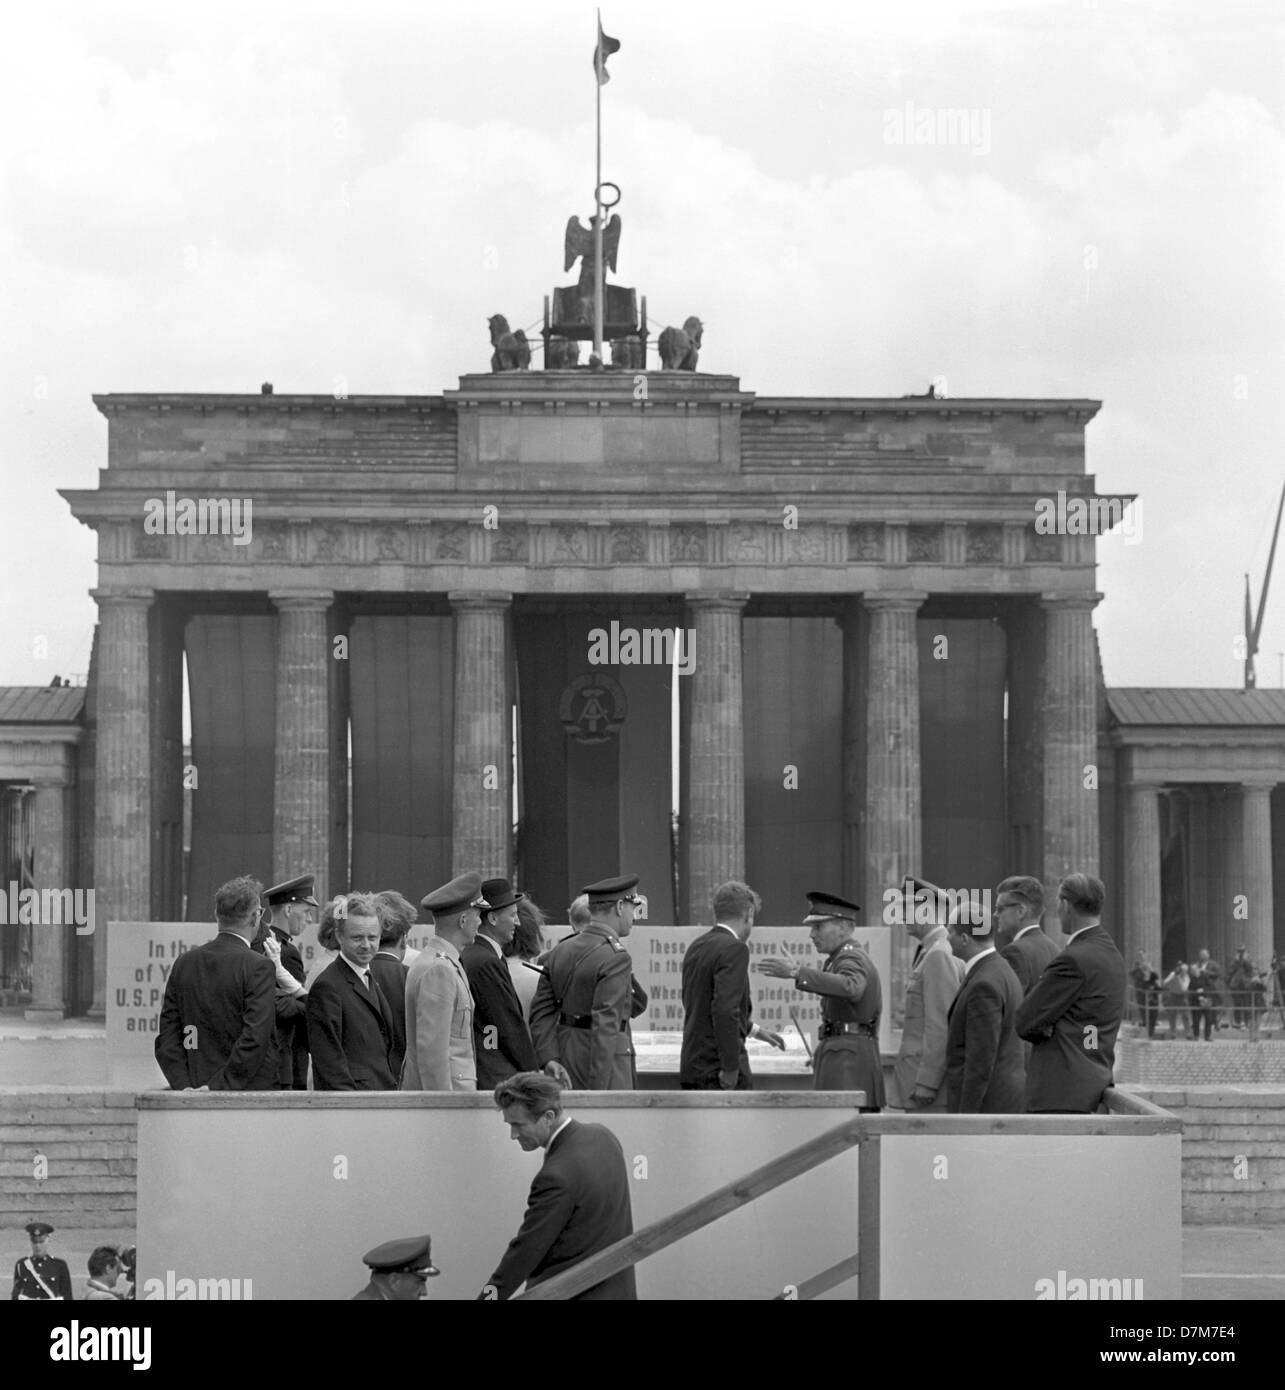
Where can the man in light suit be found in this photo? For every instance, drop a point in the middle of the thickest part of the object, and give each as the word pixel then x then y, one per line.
pixel 350 1028
pixel 218 1020
pixel 439 1003
pixel 579 1200
pixel 935 976
pixel 985 1068
pixel 1073 1014
pixel 501 1042
pixel 716 997
pixel 1020 935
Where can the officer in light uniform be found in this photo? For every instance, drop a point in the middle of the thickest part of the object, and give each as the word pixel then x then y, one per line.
pixel 847 1055
pixel 399 1271
pixel 439 1003
pixel 586 997
pixel 41 1277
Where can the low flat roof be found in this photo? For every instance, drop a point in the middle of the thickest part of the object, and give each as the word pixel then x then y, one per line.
pixel 41 704
pixel 1195 706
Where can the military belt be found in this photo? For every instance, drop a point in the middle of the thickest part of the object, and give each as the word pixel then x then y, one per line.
pixel 834 1030
pixel 584 1021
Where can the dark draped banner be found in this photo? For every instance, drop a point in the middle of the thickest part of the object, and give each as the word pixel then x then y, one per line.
pixel 401 674
pixel 961 742
pixel 232 687
pixel 595 798
pixel 793 712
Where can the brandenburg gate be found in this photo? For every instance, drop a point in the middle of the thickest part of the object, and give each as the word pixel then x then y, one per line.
pixel 887 669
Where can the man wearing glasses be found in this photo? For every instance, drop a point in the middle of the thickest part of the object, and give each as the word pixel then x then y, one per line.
pixel 1023 942
pixel 585 999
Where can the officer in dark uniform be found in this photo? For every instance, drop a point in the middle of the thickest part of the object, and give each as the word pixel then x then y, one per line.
pixel 586 996
pixel 847 1055
pixel 292 907
pixel 399 1271
pixel 41 1277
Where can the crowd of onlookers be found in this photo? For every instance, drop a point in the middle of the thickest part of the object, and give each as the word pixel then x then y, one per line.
pixel 1198 998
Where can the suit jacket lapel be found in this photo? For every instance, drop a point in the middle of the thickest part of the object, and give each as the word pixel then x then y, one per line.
pixel 373 998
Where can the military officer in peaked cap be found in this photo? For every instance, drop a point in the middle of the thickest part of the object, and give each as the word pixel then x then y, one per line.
pixel 439 1003
pixel 847 1055
pixel 292 906
pixel 399 1271
pixel 41 1277
pixel 585 998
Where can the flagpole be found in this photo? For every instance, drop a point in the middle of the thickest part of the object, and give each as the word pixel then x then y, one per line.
pixel 597 199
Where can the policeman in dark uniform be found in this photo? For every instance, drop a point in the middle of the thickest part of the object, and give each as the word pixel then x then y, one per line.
pixel 847 1055
pixel 399 1271
pixel 292 907
pixel 41 1277
pixel 586 996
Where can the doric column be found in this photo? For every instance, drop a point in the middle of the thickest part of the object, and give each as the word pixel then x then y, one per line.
pixel 1142 930
pixel 893 823
pixel 1257 821
pixel 1070 738
pixel 122 773
pixel 49 937
pixel 716 751
pixel 301 802
pixel 482 803
pixel 13 836
pixel 855 641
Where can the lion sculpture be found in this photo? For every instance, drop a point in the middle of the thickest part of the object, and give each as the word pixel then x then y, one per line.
pixel 680 347
pixel 512 351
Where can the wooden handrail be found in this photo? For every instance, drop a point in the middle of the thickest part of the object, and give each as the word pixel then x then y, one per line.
pixel 700 1213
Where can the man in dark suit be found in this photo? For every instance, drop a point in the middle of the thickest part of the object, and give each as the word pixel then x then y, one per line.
pixel 985 1067
pixel 350 1029
pixel 501 1041
pixel 579 1200
pixel 1019 934
pixel 396 917
pixel 216 1024
pixel 716 997
pixel 1073 1014
pixel 292 908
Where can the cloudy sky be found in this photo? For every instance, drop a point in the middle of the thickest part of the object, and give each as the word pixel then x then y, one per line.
pixel 201 198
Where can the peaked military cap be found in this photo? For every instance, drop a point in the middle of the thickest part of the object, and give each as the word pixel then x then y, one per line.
pixel 39 1228
pixel 293 890
pixel 609 889
pixel 498 894
pixel 455 896
pixel 825 905
pixel 410 1255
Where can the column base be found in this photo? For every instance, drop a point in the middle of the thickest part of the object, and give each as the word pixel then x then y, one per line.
pixel 44 1015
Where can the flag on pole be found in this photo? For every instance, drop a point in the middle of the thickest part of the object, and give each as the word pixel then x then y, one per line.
pixel 606 47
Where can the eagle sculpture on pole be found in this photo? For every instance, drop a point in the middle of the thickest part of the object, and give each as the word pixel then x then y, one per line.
pixel 579 243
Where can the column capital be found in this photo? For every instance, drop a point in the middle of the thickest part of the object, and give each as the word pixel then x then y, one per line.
pixel 1087 601
pixel 132 597
pixel 302 598
pixel 714 603
pixel 894 601
pixel 1257 788
pixel 1145 784
pixel 487 599
pixel 52 781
